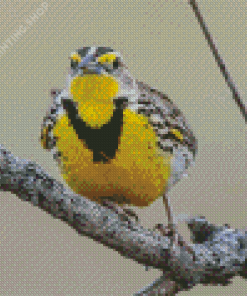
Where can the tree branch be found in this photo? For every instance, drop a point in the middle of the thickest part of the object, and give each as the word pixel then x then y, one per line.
pixel 220 251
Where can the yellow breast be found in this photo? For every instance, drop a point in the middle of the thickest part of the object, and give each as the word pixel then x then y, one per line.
pixel 137 172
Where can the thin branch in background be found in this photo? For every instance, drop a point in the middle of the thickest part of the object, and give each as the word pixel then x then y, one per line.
pixel 219 60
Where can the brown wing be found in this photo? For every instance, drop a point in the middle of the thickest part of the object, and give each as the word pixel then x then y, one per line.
pixel 173 131
pixel 46 138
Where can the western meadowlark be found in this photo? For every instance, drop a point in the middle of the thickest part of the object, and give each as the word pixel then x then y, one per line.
pixel 115 137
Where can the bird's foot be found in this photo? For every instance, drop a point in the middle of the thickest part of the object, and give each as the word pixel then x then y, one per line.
pixel 125 214
pixel 176 238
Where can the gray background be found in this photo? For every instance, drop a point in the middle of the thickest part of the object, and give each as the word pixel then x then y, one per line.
pixel 163 46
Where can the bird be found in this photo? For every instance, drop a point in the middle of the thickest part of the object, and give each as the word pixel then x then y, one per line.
pixel 116 138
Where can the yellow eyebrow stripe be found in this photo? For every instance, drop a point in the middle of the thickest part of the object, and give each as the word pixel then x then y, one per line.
pixel 75 57
pixel 107 58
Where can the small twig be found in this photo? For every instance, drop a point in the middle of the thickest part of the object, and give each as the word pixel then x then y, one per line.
pixel 225 72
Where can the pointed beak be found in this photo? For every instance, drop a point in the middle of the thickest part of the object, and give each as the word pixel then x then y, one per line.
pixel 90 69
pixel 87 66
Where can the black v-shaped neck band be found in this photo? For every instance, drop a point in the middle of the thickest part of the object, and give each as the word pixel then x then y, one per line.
pixel 103 141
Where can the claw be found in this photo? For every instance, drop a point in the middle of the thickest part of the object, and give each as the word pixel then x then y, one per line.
pixel 125 214
pixel 176 238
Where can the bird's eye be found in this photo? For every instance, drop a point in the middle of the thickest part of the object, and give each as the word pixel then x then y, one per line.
pixel 115 63
pixel 74 60
pixel 73 64
pixel 109 61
